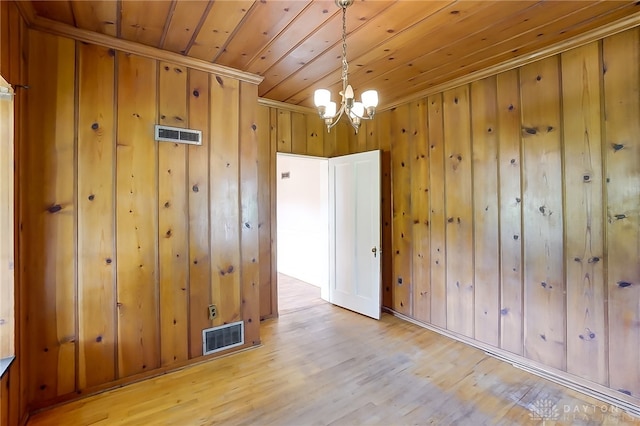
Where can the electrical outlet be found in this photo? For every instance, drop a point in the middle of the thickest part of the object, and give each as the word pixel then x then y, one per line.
pixel 213 312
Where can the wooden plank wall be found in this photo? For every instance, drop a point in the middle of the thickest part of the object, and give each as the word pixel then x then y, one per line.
pixel 126 241
pixel 13 70
pixel 527 237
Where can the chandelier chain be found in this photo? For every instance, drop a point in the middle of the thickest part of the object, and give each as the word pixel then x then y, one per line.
pixel 345 65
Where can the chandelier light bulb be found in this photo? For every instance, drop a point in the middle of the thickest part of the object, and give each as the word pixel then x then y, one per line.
pixel 357 110
pixel 370 98
pixel 330 110
pixel 322 97
pixel 348 94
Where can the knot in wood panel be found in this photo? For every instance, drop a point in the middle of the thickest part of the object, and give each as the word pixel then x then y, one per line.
pixel 545 211
pixel 55 208
pixel 588 335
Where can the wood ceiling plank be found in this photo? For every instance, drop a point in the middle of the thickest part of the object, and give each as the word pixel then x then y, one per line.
pixel 144 21
pixel 316 14
pixel 218 27
pixel 56 10
pixel 308 66
pixel 97 16
pixel 359 44
pixel 183 23
pixel 445 32
pixel 263 22
pixel 582 20
pixel 447 25
pixel 398 47
pixel 494 37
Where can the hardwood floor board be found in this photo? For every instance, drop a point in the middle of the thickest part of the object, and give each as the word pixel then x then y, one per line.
pixel 323 365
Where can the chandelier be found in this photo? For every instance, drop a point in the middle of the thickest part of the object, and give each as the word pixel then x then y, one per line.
pixel 355 111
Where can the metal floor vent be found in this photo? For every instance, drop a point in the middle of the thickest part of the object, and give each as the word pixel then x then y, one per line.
pixel 178 135
pixel 223 337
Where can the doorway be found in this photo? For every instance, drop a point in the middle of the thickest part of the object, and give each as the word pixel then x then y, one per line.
pixel 328 226
pixel 303 229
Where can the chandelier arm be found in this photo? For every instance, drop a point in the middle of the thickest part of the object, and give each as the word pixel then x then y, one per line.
pixel 336 118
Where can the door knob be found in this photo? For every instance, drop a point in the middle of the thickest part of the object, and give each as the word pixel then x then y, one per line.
pixel 374 250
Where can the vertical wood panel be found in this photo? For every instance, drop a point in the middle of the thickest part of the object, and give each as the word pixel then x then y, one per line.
pixel 330 142
pixel 315 142
pixel 298 133
pixel 372 142
pixel 249 237
pixel 401 199
pixel 173 226
pixel 198 188
pixel 343 132
pixel 584 222
pixel 225 207
pixel 542 209
pixel 48 218
pixel 510 194
pixel 438 257
pixel 361 137
pixel 621 54
pixel 4 400
pixel 420 232
pixel 352 141
pixel 383 121
pixel 273 183
pixel 265 160
pixel 284 131
pixel 20 371
pixel 486 211
pixel 459 198
pixel 137 217
pixel 4 40
pixel 96 216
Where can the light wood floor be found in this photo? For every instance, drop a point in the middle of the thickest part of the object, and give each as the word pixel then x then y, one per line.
pixel 325 365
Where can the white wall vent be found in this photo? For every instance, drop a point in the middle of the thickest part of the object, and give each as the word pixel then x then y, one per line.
pixel 223 337
pixel 178 135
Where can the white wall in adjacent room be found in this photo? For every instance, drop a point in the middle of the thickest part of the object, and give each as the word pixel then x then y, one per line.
pixel 303 221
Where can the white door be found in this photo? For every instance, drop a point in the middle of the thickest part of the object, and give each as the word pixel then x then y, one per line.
pixel 354 232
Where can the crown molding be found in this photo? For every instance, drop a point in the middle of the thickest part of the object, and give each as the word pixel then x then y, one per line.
pixel 46 25
pixel 283 105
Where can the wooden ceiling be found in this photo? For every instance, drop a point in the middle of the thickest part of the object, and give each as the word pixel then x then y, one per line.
pixel 397 47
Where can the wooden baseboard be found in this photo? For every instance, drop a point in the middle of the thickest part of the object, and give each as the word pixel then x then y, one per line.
pixel 595 390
